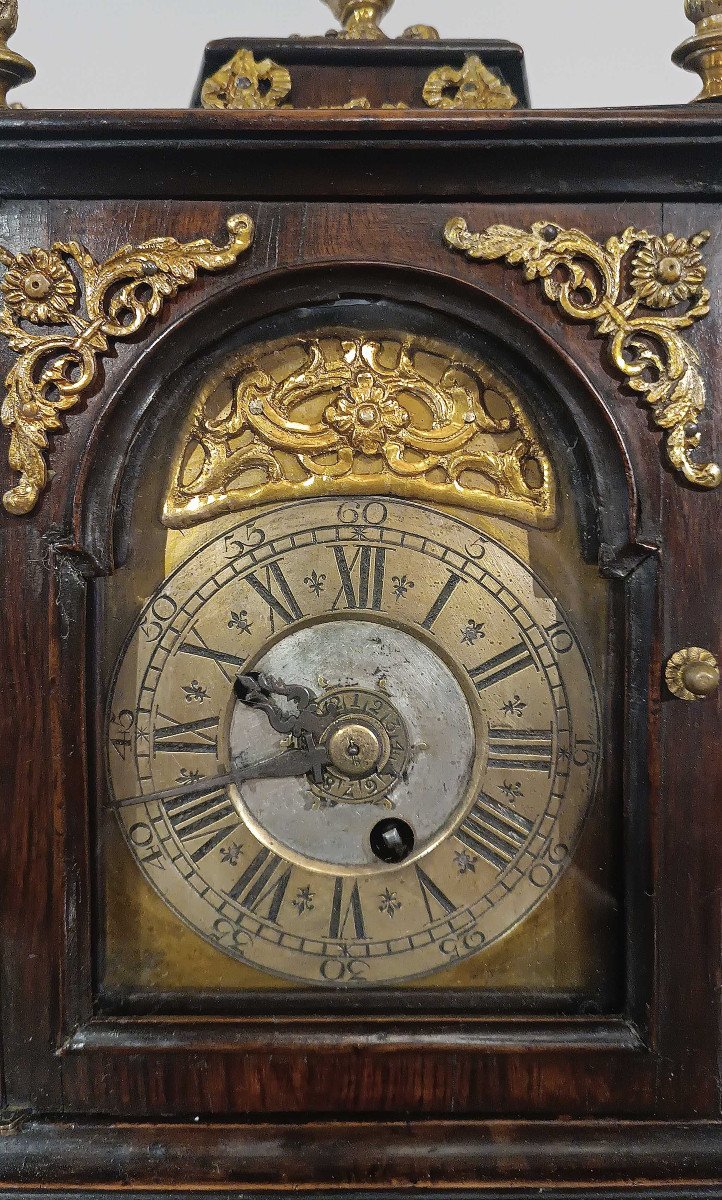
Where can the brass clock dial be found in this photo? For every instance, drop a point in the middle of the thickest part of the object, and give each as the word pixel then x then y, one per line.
pixel 352 742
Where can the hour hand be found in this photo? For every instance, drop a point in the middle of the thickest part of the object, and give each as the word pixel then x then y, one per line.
pixel 257 690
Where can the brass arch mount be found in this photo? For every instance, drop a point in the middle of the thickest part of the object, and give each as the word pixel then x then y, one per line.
pixel 61 311
pixel 641 292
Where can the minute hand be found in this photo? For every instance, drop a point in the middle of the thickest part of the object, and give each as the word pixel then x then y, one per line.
pixel 286 765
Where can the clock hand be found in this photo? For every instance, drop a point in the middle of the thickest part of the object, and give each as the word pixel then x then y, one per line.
pixel 287 765
pixel 257 690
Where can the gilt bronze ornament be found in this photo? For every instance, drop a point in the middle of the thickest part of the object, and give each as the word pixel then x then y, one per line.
pixel 359 415
pixel 56 370
pixel 587 280
pixel 14 69
pixel 703 52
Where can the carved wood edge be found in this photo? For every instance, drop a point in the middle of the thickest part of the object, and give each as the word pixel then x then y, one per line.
pixel 334 1156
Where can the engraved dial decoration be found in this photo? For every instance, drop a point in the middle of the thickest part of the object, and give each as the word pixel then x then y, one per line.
pixel 351 743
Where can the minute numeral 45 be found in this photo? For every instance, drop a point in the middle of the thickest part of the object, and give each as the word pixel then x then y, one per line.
pixel 362 578
pixel 493 831
pixel 521 749
pixel 501 666
pixel 207 819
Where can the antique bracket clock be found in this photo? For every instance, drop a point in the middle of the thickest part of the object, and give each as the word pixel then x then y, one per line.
pixel 361 578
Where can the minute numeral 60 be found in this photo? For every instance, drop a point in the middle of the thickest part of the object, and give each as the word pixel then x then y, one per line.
pixel 373 513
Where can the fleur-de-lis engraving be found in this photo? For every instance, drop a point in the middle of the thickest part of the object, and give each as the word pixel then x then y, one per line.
pixel 304 900
pixel 186 776
pixel 512 791
pixel 315 583
pixel 390 903
pixel 239 620
pixel 195 692
pixel 466 862
pixel 514 707
pixel 472 632
pixel 402 585
pixel 231 854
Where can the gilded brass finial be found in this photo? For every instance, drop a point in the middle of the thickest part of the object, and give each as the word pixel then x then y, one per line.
pixel 360 18
pixel 703 52
pixel 13 68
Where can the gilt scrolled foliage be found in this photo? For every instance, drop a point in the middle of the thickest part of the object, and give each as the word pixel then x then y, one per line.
pixel 83 305
pixel 627 289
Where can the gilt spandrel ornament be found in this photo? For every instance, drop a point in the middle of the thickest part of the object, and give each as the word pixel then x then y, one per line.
pixel 647 348
pixel 93 304
pixel 354 414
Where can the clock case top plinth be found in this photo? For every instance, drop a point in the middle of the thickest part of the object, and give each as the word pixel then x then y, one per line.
pixel 328 72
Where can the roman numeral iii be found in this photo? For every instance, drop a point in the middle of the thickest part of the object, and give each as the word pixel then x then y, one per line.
pixel 521 749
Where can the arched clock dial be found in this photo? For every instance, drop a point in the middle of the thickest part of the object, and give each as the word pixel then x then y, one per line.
pixel 352 742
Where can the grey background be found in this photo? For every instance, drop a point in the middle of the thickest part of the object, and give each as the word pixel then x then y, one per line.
pixel 146 53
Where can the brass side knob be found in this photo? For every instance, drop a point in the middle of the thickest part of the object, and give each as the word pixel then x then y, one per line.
pixel 693 674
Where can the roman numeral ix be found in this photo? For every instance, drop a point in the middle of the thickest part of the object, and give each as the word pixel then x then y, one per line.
pixel 208 818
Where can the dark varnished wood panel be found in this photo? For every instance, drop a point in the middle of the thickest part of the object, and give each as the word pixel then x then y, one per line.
pixel 44 875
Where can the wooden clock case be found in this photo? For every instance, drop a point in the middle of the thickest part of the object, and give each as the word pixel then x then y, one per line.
pixel 156 1103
